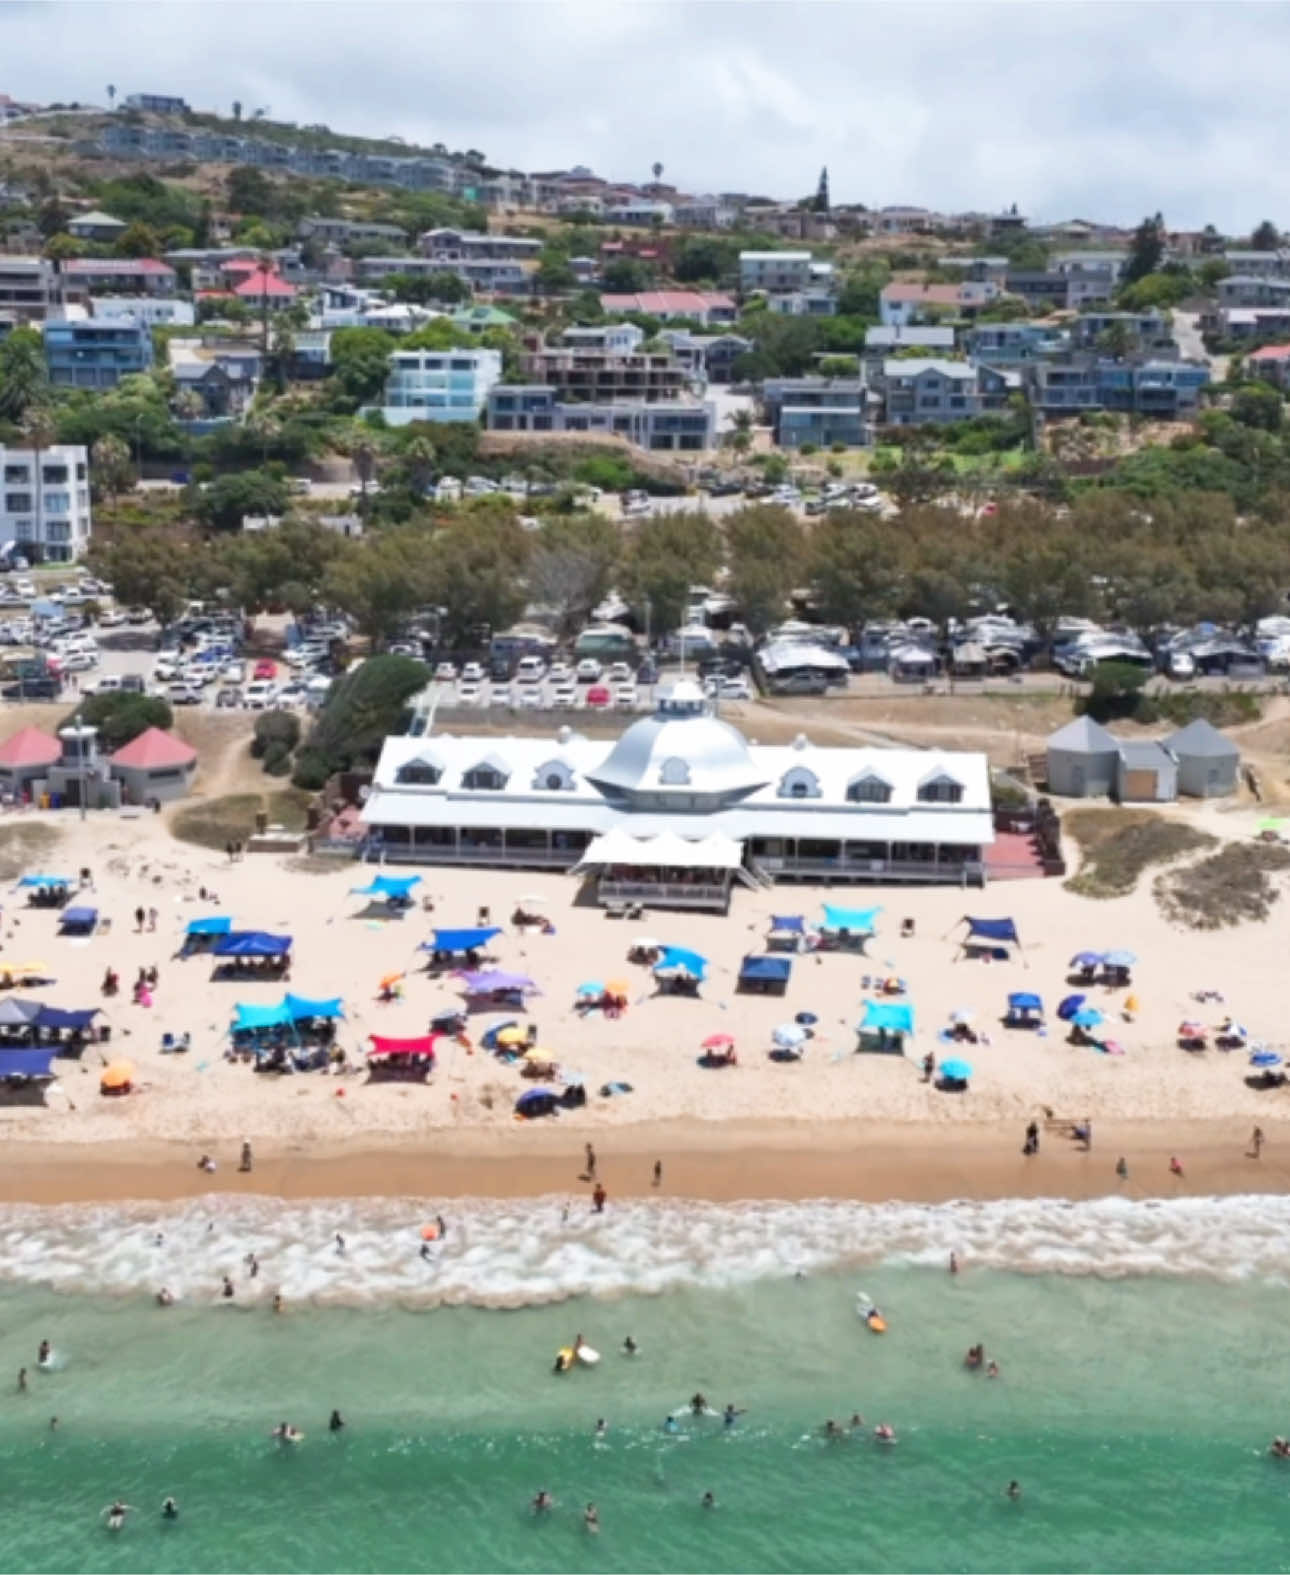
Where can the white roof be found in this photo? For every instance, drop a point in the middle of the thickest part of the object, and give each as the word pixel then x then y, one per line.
pixel 665 851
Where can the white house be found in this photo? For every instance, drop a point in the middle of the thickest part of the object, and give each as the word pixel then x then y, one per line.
pixel 796 811
pixel 153 310
pixel 45 503
pixel 775 272
pixel 439 385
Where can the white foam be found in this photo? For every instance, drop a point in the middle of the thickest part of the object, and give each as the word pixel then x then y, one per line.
pixel 514 1254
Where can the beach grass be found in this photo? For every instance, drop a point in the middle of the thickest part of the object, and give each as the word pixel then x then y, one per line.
pixel 1118 845
pixel 1229 887
pixel 24 844
pixel 215 822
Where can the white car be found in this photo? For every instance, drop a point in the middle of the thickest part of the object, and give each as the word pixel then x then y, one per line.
pixel 561 673
pixel 446 673
pixel 111 617
pixel 530 670
pixel 292 694
pixel 588 670
pixel 500 695
pixel 625 697
pixel 735 689
pixel 25 588
pixel 259 696
pixel 565 695
pixel 619 673
pixel 184 694
pixel 529 698
pixel 232 673
pixel 468 694
pixel 473 673
pixel 165 669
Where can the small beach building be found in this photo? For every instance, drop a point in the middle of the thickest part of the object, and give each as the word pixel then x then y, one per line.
pixel 24 759
pixel 1208 763
pixel 1146 774
pixel 155 765
pixel 1083 760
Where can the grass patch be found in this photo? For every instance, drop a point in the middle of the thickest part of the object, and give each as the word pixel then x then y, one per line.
pixel 1117 845
pixel 1228 888
pixel 23 846
pixel 1220 707
pixel 215 822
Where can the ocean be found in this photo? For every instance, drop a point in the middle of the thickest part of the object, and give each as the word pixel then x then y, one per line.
pixel 1142 1355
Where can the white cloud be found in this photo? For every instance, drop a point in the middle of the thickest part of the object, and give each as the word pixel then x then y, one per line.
pixel 1108 111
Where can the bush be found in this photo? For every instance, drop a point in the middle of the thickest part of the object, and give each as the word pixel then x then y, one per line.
pixel 362 709
pixel 277 759
pixel 310 771
pixel 273 730
pixel 120 717
pixel 1117 691
pixel 806 448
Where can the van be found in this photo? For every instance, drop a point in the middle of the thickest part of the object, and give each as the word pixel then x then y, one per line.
pixel 530 670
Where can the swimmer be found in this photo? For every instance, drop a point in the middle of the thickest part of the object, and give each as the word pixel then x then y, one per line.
pixel 169 1509
pixel 227 1292
pixel 1280 1448
pixel 975 1357
pixel 22 1380
pixel 252 1264
pixel 340 1244
pixel 729 1415
pixel 164 1298
pixel 53 1424
pixel 629 1346
pixel 831 1429
pixel 884 1433
pixel 708 1501
pixel 561 1363
pixel 542 1501
pixel 954 1263
pixel 591 1519
pixel 1014 1489
pixel 116 1513
pixel 425 1251
pixel 43 1353
pixel 992 1370
pixel 336 1422
pixel 670 1425
pixel 277 1302
pixel 856 1422
pixel 698 1403
pixel 602 1427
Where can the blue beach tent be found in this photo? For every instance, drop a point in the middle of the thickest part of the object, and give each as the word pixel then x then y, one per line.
pixel 460 940
pixel 26 1063
pixel 215 924
pixel 893 1017
pixel 252 943
pixel 300 1006
pixel 859 921
pixel 676 959
pixel 396 888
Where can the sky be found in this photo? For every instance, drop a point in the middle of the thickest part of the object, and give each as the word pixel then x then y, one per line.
pixel 1102 110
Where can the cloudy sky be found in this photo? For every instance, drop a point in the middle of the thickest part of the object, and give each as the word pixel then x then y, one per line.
pixel 1098 110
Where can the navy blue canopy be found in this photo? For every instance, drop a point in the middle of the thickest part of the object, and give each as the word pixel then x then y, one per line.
pixel 1067 1008
pixel 1025 1001
pixel 788 923
pixel 56 1017
pixel 26 1063
pixel 252 943
pixel 460 940
pixel 79 918
pixel 992 929
pixel 537 1102
pixel 775 969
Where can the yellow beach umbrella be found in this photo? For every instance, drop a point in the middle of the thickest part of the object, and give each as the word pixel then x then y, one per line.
pixel 618 987
pixel 120 1074
pixel 512 1036
pixel 537 1054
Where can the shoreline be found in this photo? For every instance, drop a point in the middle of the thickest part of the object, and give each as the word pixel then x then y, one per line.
pixel 728 1162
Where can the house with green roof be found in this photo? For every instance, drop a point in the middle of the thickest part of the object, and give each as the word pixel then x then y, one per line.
pixel 479 318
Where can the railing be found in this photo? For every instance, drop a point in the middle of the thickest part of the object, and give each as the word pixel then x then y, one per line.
pixel 873 869
pixel 436 853
pixel 680 894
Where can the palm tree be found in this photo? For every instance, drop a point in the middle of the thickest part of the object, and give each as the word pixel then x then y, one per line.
pixel 365 465
pixel 38 433
pixel 111 92
pixel 419 459
pixel 658 170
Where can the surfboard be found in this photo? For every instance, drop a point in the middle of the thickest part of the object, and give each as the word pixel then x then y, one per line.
pixel 565 1356
pixel 588 1355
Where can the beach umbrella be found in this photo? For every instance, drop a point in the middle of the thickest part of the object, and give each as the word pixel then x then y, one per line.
pixel 956 1071
pixel 807 1018
pixel 117 1075
pixel 962 1014
pixel 512 1036
pixel 1085 960
pixel 1191 1030
pixel 390 980
pixel 618 987
pixel 1234 1031
pixel 1087 1017
pixel 788 1036
pixel 1120 959
pixel 1070 1006
pixel 1265 1058
pixel 536 1053
pixel 591 987
pixel 718 1042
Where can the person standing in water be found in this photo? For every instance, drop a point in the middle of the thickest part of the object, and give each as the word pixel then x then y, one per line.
pixel 709 1501
pixel 629 1346
pixel 336 1422
pixel 954 1263
pixel 1014 1489
pixel 591 1519
pixel 169 1509
pixel 730 1414
pixel 598 1197
pixel 22 1380
pixel 542 1502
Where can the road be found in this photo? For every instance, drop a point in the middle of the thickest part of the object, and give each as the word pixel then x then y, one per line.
pixel 1192 345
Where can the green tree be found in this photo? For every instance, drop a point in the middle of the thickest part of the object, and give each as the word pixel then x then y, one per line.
pixel 361 711
pixel 249 190
pixel 361 361
pixel 61 247
pixel 706 259
pixel 111 472
pixel 228 498
pixel 1266 237
pixel 121 717
pixel 138 240
pixel 288 565
pixel 572 567
pixel 767 557
pixel 1258 405
pixel 855 567
pixel 475 571
pixel 24 380
pixel 1146 249
pixel 1116 690
pixel 380 581
pixel 627 276
pixel 666 555
pixel 152 568
pixel 861 288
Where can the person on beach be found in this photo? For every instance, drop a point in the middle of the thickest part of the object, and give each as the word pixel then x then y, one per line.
pixel 1122 1168
pixel 1280 1448
pixel 340 1244
pixel 929 1067
pixel 1031 1145
pixel 335 1422
pixel 1256 1142
pixel 1175 1165
pixel 165 1298
pixel 602 1428
pixel 598 1197
pixel 698 1403
pixel 152 918
pixel 207 1164
pixel 138 920
pixel 440 1226
pixel 975 1357
pixel 244 1164
pixel 278 1305
pixel 589 1163
pixel 169 1509
pixel 831 1430
pixel 22 1380
pixel 591 1519
pixel 954 1263
pixel 658 1172
pixel 884 1433
pixel 252 1266
pixel 670 1424
pixel 425 1251
pixel 1014 1489
pixel 856 1422
pixel 227 1292
pixel 542 1502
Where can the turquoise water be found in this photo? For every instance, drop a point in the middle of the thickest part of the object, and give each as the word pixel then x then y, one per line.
pixel 1135 1411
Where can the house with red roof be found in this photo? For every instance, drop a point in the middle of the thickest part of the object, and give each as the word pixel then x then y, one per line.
pixel 155 765
pixel 1272 363
pixel 120 275
pixel 705 306
pixel 24 759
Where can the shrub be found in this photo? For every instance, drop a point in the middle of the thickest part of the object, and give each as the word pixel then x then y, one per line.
pixel 275 729
pixel 310 771
pixel 277 759
pixel 362 709
pixel 122 716
pixel 806 448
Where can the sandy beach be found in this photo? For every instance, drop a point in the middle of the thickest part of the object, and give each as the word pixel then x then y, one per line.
pixel 855 1125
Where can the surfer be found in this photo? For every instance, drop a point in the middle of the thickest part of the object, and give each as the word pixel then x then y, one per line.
pixel 591 1519
pixel 602 1427
pixel 708 1501
pixel 169 1509
pixel 629 1346
pixel 1014 1489
pixel 43 1353
pixel 698 1403
pixel 542 1501
pixel 340 1244
pixel 336 1422
pixel 954 1263
pixel 165 1298
pixel 116 1513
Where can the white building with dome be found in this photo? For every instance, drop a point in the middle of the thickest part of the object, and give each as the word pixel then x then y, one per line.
pixel 681 807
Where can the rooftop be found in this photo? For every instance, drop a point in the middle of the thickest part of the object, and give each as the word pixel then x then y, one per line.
pixel 30 747
pixel 154 750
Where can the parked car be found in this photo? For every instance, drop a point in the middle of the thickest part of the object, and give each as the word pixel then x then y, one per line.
pixel 228 699
pixel 500 695
pixel 588 670
pixel 183 693
pixel 468 694
pixel 735 688
pixel 564 695
pixel 472 673
pixel 265 670
pixel 625 697
pixel 446 673
pixel 233 673
pixel 111 618
pixel 528 698
pixel 40 688
pixel 530 670
pixel 619 673
pixel 258 695
pixel 599 695
pixel 561 673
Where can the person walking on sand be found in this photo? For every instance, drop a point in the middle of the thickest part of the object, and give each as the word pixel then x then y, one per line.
pixel 929 1067
pixel 598 1199
pixel 1256 1142
pixel 152 918
pixel 245 1163
pixel 658 1172
pixel 1175 1165
pixel 589 1166
pixel 138 920
pixel 1122 1168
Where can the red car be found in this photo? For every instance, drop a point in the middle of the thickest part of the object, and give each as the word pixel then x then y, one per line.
pixel 265 668
pixel 598 695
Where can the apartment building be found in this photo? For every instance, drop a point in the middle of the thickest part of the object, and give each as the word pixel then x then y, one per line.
pixel 900 304
pixel 45 513
pixel 599 374
pixel 818 410
pixel 1010 344
pixel 29 286
pixel 119 275
pixel 439 385
pixel 1140 331
pixel 671 426
pixel 345 232
pixel 707 307
pixel 1068 290
pixel 453 246
pixel 613 338
pixel 1167 390
pixel 1267 265
pixel 157 103
pixel 154 310
pixel 1252 289
pixel 95 353
pixel 932 391
pixel 709 357
pixel 495 276
pixel 774 272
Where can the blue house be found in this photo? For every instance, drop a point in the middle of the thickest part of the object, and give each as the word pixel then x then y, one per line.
pixel 95 354
pixel 819 410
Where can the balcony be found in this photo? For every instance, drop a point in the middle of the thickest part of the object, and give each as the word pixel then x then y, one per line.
pixel 664 894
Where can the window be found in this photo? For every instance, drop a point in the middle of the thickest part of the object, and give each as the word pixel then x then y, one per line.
pixel 799 783
pixel 418 772
pixel 554 776
pixel 674 772
pixel 869 789
pixel 17 473
pixel 484 777
pixel 941 790
pixel 17 502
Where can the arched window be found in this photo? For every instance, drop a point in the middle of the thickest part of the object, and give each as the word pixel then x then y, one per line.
pixel 799 783
pixel 940 789
pixel 553 776
pixel 869 789
pixel 419 773
pixel 674 772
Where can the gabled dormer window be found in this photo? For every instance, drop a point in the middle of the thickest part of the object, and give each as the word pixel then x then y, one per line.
pixel 490 775
pixel 799 783
pixel 940 789
pixel 869 789
pixel 419 773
